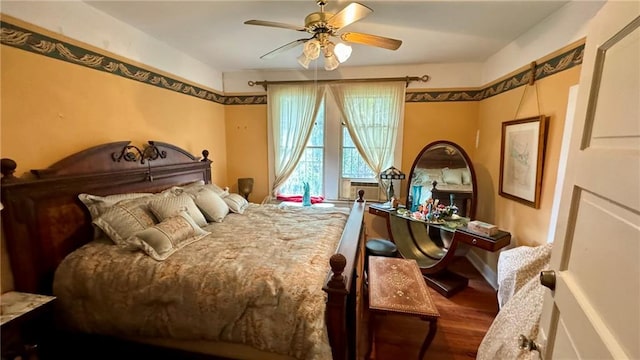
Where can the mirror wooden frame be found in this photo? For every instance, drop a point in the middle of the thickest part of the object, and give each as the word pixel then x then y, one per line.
pixel 471 211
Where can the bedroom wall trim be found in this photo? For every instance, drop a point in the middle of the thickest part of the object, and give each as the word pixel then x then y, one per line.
pixel 37 43
pixel 483 268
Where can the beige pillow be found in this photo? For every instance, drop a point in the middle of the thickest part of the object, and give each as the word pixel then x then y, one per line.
pixel 125 219
pixel 169 206
pixel 218 190
pixel 167 237
pixel 212 206
pixel 236 203
pixel 196 186
pixel 452 176
pixel 97 205
pixel 177 190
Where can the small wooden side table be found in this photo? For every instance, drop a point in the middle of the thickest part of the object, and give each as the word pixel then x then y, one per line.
pixel 396 286
pixel 25 320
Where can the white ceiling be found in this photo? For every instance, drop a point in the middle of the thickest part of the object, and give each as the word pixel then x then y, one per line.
pixel 432 31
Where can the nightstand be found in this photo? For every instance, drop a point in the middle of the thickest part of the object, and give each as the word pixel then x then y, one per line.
pixel 26 321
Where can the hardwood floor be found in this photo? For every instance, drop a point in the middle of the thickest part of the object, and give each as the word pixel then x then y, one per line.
pixel 464 319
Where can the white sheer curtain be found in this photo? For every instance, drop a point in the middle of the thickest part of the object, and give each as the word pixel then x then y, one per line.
pixel 372 113
pixel 292 111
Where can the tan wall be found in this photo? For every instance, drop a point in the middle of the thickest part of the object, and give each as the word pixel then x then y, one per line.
pixel 51 109
pixel 528 226
pixel 247 148
pixel 425 123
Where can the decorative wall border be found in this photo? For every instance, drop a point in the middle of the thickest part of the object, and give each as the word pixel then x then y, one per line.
pixel 564 61
pixel 15 36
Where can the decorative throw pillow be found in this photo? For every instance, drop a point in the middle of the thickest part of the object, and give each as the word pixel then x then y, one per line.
pixel 236 203
pixel 196 186
pixel 169 206
pixel 212 206
pixel 125 219
pixel 167 237
pixel 452 176
pixel 177 190
pixel 99 204
pixel 218 190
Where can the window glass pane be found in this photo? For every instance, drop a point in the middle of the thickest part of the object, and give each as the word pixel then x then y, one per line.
pixel 353 166
pixel 317 134
pixel 309 169
pixel 346 138
pixel 311 166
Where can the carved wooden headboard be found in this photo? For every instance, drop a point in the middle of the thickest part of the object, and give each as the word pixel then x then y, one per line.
pixel 43 220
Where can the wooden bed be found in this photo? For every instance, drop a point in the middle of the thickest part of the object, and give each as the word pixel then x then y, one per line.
pixel 44 221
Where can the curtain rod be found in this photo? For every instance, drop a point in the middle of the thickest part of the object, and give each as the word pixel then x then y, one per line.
pixel 408 79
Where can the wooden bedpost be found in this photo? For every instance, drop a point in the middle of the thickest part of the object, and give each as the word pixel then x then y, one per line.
pixel 342 286
pixel 8 167
pixel 205 159
pixel 337 307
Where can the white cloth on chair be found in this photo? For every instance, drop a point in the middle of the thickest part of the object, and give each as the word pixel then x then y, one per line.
pixel 520 296
pixel 517 266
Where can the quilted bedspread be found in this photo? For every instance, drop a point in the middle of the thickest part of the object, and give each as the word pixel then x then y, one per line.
pixel 257 280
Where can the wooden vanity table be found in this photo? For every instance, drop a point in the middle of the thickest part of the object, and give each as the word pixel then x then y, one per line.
pixel 442 169
pixel 433 246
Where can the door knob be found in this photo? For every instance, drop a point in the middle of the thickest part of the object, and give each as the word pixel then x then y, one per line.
pixel 524 343
pixel 548 279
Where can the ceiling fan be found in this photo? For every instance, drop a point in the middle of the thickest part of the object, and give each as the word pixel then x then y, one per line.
pixel 324 25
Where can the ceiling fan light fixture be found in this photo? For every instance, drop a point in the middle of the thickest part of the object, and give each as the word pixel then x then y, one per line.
pixel 304 60
pixel 342 52
pixel 330 62
pixel 311 49
pixel 324 25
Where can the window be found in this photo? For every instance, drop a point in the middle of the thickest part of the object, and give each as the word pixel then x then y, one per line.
pixel 330 161
pixel 311 166
pixel 329 158
pixel 353 165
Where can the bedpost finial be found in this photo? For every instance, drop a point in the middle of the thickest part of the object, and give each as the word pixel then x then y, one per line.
pixel 8 167
pixel 205 155
pixel 360 195
pixel 338 262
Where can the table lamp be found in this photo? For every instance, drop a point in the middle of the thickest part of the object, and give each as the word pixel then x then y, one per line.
pixel 391 174
pixel 245 187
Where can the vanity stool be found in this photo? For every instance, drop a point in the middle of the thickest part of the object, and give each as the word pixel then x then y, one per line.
pixel 379 247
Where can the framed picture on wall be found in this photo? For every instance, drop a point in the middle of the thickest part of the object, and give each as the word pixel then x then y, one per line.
pixel 522 159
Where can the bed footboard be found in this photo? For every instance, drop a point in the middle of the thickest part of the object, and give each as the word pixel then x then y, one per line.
pixel 344 285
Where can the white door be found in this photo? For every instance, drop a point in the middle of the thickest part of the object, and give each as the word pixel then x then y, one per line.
pixel 594 311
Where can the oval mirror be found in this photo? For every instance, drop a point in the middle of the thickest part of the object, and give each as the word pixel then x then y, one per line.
pixel 443 171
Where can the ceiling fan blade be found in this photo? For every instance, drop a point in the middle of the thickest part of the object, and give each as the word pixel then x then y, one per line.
pixel 350 14
pixel 283 48
pixel 275 24
pixel 371 40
